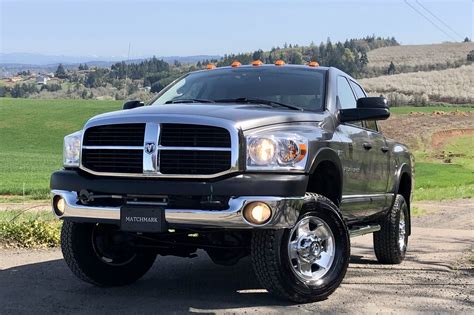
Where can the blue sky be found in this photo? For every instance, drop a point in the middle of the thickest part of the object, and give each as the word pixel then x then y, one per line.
pixel 187 27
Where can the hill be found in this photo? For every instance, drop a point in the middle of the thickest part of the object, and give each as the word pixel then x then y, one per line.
pixel 410 58
pixel 454 86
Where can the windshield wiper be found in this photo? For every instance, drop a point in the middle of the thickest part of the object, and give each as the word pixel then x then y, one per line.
pixel 189 100
pixel 256 101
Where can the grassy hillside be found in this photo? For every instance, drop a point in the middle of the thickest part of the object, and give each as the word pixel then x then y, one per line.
pixel 32 132
pixel 419 57
pixel 448 86
pixel 31 138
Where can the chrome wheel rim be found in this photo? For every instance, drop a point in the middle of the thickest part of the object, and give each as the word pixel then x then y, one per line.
pixel 311 249
pixel 402 231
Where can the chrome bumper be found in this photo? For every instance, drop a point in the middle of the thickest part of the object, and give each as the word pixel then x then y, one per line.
pixel 285 211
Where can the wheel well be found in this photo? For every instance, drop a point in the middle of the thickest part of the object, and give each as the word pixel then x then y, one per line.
pixel 404 187
pixel 326 181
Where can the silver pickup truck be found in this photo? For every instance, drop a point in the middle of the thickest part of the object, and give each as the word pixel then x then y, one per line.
pixel 280 162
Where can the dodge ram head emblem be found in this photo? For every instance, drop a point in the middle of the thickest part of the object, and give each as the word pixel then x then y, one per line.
pixel 150 147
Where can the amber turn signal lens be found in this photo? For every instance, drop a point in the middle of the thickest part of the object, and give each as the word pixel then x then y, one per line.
pixel 303 151
pixel 257 63
pixel 235 64
pixel 257 213
pixel 313 64
pixel 279 62
pixel 210 66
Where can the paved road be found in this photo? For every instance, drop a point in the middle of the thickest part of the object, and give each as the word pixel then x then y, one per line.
pixel 436 277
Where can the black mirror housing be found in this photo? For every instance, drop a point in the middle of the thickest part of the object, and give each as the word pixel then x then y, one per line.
pixel 133 104
pixel 358 114
pixel 368 108
pixel 372 102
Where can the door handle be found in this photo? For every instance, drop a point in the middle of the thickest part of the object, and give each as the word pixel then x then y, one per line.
pixel 367 146
pixel 384 149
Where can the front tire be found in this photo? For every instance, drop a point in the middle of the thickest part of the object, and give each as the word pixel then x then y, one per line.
pixel 390 243
pixel 102 255
pixel 308 262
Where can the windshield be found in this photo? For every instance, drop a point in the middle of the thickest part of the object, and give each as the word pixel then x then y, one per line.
pixel 299 87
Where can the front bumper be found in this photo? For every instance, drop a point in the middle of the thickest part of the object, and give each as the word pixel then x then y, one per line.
pixel 248 184
pixel 285 211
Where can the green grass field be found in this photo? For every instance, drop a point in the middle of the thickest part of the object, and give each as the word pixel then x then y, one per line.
pixel 32 131
pixel 436 180
pixel 430 109
pixel 31 136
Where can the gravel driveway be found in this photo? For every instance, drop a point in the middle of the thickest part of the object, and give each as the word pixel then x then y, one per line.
pixel 436 277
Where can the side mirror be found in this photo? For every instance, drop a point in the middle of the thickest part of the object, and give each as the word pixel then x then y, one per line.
pixel 368 108
pixel 132 104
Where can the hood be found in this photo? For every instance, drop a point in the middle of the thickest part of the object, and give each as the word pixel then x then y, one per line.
pixel 244 116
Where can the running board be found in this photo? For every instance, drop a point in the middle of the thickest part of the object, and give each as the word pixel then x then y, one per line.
pixel 361 230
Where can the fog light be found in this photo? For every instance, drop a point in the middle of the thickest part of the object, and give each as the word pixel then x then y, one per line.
pixel 257 213
pixel 59 205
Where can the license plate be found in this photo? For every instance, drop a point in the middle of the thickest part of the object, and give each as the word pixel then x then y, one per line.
pixel 142 219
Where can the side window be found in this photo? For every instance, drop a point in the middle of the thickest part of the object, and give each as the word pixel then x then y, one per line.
pixel 372 125
pixel 358 90
pixel 344 93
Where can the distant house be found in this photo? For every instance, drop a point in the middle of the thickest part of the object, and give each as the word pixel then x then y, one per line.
pixel 42 79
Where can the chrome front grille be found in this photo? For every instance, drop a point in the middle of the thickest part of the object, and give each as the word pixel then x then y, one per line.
pixel 167 150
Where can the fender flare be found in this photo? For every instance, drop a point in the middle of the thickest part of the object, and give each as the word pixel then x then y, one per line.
pixel 404 168
pixel 330 155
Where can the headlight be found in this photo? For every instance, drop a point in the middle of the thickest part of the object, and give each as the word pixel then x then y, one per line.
pixel 72 149
pixel 278 151
pixel 262 151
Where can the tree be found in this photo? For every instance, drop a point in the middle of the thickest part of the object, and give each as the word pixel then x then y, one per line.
pixel 467 40
pixel 470 56
pixel 156 87
pixel 257 55
pixel 391 68
pixel 84 94
pixel 61 72
pixel 364 60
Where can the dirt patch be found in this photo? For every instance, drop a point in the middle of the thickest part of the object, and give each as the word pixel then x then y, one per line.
pixel 417 130
pixel 447 214
pixel 440 138
pixel 27 206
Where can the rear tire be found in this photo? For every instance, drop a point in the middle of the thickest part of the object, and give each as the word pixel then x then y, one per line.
pixel 101 254
pixel 390 243
pixel 306 263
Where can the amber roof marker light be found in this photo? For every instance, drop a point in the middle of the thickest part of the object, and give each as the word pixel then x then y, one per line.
pixel 210 66
pixel 313 64
pixel 279 62
pixel 235 64
pixel 257 63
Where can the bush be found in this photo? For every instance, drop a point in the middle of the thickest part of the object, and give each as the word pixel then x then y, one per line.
pixel 51 87
pixel 29 230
